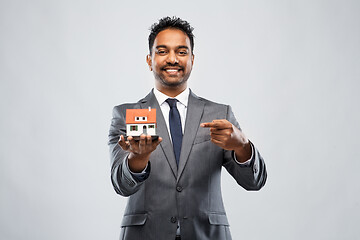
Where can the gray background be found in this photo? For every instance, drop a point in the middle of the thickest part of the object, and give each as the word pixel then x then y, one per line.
pixel 290 70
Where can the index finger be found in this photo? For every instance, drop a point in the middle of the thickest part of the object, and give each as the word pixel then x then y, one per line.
pixel 208 125
pixel 218 124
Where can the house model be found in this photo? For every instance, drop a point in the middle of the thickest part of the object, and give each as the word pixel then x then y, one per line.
pixel 140 121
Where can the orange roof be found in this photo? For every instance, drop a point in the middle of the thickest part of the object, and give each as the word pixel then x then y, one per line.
pixel 131 114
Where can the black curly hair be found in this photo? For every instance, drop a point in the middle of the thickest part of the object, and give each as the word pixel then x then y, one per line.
pixel 168 22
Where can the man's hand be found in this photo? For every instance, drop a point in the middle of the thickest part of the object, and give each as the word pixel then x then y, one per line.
pixel 224 134
pixel 139 150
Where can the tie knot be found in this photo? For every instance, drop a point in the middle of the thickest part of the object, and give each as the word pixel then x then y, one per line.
pixel 171 102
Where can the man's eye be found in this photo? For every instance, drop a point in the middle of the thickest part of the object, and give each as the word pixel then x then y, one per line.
pixel 182 52
pixel 161 52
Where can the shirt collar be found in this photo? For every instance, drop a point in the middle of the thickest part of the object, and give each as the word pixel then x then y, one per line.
pixel 183 97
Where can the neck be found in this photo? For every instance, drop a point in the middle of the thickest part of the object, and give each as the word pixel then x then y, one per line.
pixel 171 91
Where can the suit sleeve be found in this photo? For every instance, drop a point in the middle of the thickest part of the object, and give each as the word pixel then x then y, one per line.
pixel 250 176
pixel 122 180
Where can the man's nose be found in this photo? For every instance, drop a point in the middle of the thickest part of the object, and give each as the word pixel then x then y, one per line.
pixel 172 58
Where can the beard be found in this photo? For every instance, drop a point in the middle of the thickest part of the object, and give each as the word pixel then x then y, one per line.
pixel 166 81
pixel 171 81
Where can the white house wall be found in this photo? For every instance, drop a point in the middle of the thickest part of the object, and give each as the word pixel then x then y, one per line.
pixel 150 131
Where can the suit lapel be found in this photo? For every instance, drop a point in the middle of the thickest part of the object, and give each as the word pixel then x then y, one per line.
pixel 162 131
pixel 192 123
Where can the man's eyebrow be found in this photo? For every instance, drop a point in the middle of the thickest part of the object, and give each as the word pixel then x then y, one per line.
pixel 181 46
pixel 161 46
pixel 164 46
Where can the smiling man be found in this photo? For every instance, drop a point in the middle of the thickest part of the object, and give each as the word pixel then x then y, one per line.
pixel 173 183
pixel 171 60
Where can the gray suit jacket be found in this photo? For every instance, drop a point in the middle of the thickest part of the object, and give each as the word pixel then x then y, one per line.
pixel 190 193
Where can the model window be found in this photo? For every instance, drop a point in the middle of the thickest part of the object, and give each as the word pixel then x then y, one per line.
pixel 141 119
pixel 134 128
pixel 151 126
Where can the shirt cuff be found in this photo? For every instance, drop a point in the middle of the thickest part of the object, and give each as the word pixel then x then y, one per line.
pixel 248 162
pixel 142 176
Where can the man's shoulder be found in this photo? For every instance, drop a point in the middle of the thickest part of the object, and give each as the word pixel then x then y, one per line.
pixel 127 105
pixel 131 105
pixel 121 109
pixel 213 109
pixel 210 103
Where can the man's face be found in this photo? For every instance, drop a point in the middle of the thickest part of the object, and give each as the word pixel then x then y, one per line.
pixel 171 59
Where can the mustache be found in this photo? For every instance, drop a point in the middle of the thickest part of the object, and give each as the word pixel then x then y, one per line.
pixel 172 65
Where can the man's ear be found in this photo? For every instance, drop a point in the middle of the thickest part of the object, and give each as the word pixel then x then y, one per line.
pixel 192 59
pixel 149 62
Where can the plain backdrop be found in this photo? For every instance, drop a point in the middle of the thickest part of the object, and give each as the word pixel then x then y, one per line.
pixel 289 69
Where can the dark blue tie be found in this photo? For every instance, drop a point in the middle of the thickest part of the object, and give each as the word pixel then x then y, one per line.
pixel 175 128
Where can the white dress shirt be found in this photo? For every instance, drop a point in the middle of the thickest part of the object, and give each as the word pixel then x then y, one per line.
pixel 181 105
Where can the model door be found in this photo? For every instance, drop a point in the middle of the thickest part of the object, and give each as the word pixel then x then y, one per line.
pixel 145 130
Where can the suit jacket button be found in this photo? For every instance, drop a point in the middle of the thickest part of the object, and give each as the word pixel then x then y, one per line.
pixel 173 219
pixel 179 188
